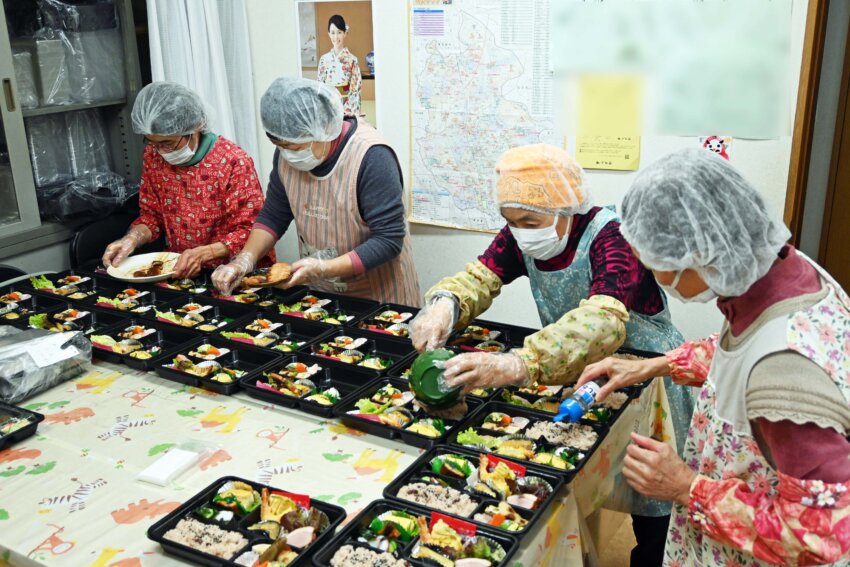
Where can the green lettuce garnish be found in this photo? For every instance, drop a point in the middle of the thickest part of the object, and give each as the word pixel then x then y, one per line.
pixel 229 335
pixel 38 321
pixel 41 282
pixel 294 308
pixel 365 405
pixel 471 437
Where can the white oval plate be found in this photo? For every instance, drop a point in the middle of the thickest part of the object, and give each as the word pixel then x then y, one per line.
pixel 125 270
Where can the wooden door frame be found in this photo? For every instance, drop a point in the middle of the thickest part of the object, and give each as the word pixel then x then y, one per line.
pixel 837 140
pixel 804 120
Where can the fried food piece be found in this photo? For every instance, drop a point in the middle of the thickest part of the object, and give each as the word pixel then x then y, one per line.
pixel 279 272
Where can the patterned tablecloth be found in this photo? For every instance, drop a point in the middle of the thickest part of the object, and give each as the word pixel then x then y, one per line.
pixel 69 495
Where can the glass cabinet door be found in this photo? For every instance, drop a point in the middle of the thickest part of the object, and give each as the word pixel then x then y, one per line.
pixel 18 205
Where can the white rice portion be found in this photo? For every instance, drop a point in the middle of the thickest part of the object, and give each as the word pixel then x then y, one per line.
pixel 207 538
pixel 350 556
pixel 569 434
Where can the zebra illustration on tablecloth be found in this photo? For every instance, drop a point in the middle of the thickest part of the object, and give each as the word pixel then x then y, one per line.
pixel 122 424
pixel 76 500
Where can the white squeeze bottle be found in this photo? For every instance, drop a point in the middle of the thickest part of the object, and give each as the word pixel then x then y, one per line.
pixel 577 405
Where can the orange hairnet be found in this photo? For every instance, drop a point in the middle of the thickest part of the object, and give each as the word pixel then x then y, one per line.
pixel 541 178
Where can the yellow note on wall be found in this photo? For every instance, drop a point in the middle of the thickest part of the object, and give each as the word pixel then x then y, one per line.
pixel 620 153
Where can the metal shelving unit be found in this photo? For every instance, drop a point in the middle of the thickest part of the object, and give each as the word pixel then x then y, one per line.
pixel 26 231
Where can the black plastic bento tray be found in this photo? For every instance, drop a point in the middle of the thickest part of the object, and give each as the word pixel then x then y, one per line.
pixel 100 319
pixel 387 432
pixel 170 338
pixel 155 296
pixel 348 379
pixel 476 418
pixel 35 304
pixel 631 393
pixel 387 307
pixel 24 432
pixel 512 336
pixel 251 359
pixel 421 467
pixel 397 370
pixel 274 295
pixel 202 280
pixel 347 535
pixel 156 532
pixel 231 312
pixel 375 345
pixel 291 328
pixel 54 278
pixel 356 307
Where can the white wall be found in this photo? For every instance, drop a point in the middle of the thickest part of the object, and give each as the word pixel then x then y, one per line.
pixel 440 251
pixel 54 258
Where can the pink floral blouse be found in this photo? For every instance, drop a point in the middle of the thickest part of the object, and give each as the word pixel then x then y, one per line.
pixel 805 522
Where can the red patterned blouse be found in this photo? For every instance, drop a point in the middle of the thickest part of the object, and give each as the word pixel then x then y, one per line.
pixel 215 200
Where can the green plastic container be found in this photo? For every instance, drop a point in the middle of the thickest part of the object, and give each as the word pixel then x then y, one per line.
pixel 426 380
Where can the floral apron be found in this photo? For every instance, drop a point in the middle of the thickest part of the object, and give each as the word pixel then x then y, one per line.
pixel 720 443
pixel 561 291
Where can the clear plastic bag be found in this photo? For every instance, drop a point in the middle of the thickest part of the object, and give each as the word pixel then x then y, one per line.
pixel 33 361
pixel 94 50
pixel 52 68
pixel 25 77
pixel 48 145
pixel 87 142
pixel 91 195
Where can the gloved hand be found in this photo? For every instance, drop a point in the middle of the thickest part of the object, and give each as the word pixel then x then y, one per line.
pixel 431 327
pixel 123 247
pixel 306 271
pixel 227 276
pixel 485 370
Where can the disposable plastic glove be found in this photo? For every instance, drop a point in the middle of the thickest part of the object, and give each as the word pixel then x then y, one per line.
pixel 431 327
pixel 227 276
pixel 485 370
pixel 123 247
pixel 306 271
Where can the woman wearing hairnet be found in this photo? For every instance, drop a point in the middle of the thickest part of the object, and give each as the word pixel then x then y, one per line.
pixel 341 184
pixel 766 474
pixel 200 188
pixel 591 293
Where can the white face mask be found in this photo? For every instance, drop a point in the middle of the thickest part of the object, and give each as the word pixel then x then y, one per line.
pixel 542 243
pixel 702 297
pixel 302 160
pixel 179 156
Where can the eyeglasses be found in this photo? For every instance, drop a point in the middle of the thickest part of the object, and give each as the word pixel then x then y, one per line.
pixel 166 145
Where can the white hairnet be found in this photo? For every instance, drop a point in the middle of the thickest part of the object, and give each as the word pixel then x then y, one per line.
pixel 168 109
pixel 692 210
pixel 301 110
pixel 541 178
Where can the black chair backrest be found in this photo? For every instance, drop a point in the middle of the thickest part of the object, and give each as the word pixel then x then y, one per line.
pixel 90 240
pixel 8 272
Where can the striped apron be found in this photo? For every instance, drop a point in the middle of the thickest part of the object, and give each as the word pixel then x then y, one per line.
pixel 329 224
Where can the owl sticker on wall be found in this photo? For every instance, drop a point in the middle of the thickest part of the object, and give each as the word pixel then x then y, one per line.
pixel 717 144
